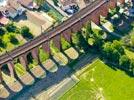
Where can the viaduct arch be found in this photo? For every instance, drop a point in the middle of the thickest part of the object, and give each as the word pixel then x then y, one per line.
pixel 74 24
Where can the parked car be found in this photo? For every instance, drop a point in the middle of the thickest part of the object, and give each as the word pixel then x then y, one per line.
pixel 73 9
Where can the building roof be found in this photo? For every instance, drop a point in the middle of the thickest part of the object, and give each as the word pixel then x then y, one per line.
pixel 3 20
pixel 11 9
pixel 25 2
pixel 2 8
pixel 14 4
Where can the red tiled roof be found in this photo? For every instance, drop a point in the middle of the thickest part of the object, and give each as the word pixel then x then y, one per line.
pixel 3 20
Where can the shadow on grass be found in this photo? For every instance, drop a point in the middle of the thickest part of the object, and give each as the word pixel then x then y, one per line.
pixel 116 67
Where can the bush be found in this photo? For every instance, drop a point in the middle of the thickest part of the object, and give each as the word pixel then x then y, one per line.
pixel 33 64
pixel 124 62
pixel 53 47
pixel 26 32
pixel 11 27
pixel 20 70
pixel 65 44
pixel 43 55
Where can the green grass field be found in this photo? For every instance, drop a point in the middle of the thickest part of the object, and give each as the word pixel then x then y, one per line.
pixel 100 82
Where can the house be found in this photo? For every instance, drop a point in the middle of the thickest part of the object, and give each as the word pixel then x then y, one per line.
pixel 16 6
pixel 3 20
pixel 12 9
pixel 69 6
pixel 30 4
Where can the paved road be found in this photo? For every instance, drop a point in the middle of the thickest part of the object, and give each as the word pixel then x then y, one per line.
pixel 51 80
pixel 84 60
pixel 43 84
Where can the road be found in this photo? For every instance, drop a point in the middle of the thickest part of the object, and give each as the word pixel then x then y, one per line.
pixel 53 80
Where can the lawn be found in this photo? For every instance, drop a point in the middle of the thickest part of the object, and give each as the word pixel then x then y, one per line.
pixel 52 12
pixel 100 82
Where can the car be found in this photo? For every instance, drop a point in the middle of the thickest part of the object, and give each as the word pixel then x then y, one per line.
pixel 71 10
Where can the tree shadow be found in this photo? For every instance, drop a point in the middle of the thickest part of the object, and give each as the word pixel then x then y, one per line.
pixel 115 67
pixel 19 18
pixel 123 24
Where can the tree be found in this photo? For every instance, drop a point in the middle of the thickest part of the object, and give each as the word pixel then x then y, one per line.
pixel 82 43
pixel 55 2
pixel 107 50
pixel 13 39
pixel 11 27
pixel 131 40
pixel 40 2
pixel 97 35
pixel 26 32
pixel 87 31
pixel 110 52
pixel 115 56
pixel 124 62
pixel 2 31
pixel 98 42
pixel 118 46
pixel 2 44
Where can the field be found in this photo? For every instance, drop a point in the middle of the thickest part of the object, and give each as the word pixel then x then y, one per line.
pixel 100 82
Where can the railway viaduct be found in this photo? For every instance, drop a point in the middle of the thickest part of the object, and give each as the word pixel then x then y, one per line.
pixel 73 24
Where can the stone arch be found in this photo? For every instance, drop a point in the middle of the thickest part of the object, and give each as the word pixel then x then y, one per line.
pixel 35 54
pixel 5 69
pixel 29 57
pixel 43 54
pixel 104 10
pixel 112 4
pixel 46 47
pixel 67 35
pixel 65 43
pixel 77 26
pixel 1 77
pixel 57 41
pixel 95 17
pixel 8 68
pixel 121 1
pixel 23 61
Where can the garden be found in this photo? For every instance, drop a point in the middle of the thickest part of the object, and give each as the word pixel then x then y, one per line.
pixel 52 12
pixel 11 37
